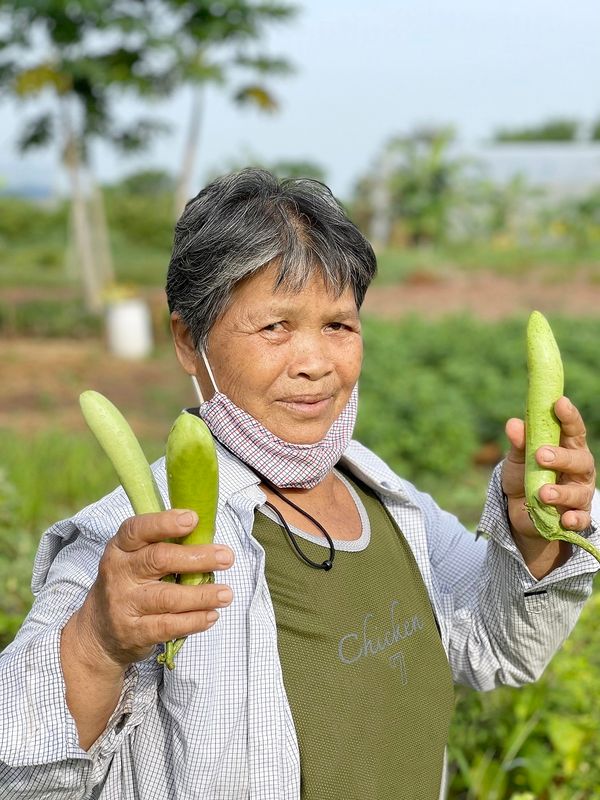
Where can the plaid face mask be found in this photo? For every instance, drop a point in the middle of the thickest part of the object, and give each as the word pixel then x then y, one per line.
pixel 285 464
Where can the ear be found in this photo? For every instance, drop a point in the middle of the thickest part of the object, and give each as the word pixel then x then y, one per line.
pixel 184 346
pixel 187 355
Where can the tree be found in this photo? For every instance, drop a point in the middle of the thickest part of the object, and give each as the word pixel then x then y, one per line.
pixel 216 43
pixel 78 57
pixel 74 59
pixel 554 130
pixel 146 182
pixel 422 182
pixel 284 168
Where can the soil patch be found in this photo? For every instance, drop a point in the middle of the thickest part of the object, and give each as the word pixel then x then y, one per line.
pixel 41 379
pixel 485 295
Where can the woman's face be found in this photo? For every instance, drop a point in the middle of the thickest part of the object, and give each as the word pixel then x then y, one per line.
pixel 289 359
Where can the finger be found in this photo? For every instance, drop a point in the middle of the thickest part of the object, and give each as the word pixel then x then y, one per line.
pixel 515 432
pixel 570 496
pixel 163 558
pixel 143 529
pixel 512 466
pixel 171 598
pixel 576 520
pixel 576 464
pixel 573 433
pixel 165 627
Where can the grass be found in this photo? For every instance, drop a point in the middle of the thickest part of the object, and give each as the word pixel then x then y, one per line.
pixel 34 248
pixel 138 263
pixel 551 264
pixel 47 265
pixel 44 477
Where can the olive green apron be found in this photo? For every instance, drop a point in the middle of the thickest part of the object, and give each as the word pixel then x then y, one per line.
pixel 367 678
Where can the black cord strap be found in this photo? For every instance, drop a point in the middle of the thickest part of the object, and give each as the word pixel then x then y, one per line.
pixel 325 565
pixel 328 563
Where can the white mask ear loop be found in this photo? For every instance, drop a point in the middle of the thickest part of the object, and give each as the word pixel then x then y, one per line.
pixel 196 386
pixel 210 375
pixel 209 370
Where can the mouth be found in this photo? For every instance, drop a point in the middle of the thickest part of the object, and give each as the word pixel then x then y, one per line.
pixel 308 405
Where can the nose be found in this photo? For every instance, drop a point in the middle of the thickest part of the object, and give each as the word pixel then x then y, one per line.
pixel 310 357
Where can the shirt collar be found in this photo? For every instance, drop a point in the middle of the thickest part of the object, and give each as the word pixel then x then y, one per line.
pixel 375 473
pixel 235 476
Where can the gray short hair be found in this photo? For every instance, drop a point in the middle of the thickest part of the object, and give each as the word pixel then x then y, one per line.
pixel 242 222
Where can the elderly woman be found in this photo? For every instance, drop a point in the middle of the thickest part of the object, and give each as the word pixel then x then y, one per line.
pixel 321 665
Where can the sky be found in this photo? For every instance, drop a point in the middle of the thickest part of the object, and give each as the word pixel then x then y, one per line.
pixel 366 71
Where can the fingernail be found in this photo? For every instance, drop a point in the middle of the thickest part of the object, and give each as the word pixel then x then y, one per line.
pixel 551 494
pixel 223 557
pixel 224 595
pixel 187 519
pixel 548 455
pixel 212 616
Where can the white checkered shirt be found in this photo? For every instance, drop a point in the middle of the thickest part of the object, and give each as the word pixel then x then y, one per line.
pixel 219 727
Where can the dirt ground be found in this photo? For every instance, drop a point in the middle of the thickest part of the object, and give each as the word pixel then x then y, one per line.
pixel 486 295
pixel 40 380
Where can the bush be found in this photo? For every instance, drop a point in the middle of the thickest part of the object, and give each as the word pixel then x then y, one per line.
pixel 16 556
pixel 541 739
pixel 146 220
pixel 43 478
pixel 433 394
pixel 23 220
pixel 49 319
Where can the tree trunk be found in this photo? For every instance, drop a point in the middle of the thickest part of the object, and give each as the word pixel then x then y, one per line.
pixel 100 235
pixel 92 293
pixel 71 269
pixel 84 248
pixel 381 222
pixel 184 182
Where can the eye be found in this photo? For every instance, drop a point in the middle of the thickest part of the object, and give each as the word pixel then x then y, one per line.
pixel 273 326
pixel 276 332
pixel 346 327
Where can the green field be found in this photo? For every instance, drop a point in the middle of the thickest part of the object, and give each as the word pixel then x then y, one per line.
pixel 434 397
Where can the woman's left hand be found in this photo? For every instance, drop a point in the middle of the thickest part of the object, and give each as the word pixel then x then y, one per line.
pixel 572 461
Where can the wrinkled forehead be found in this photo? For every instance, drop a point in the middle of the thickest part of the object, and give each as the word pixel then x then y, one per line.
pixel 266 292
pixel 283 278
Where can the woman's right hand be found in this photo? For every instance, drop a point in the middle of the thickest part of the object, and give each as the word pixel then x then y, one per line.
pixel 129 610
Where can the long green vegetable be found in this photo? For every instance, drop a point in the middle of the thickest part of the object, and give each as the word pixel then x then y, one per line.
pixel 118 441
pixel 193 480
pixel 192 475
pixel 545 386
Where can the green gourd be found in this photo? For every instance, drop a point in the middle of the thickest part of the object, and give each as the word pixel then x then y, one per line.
pixel 118 441
pixel 193 481
pixel 545 386
pixel 192 476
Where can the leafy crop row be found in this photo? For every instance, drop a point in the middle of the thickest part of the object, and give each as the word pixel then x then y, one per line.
pixel 434 397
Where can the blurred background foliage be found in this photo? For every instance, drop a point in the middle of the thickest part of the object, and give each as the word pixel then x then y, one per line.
pixel 438 208
pixel 434 398
pixel 435 392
